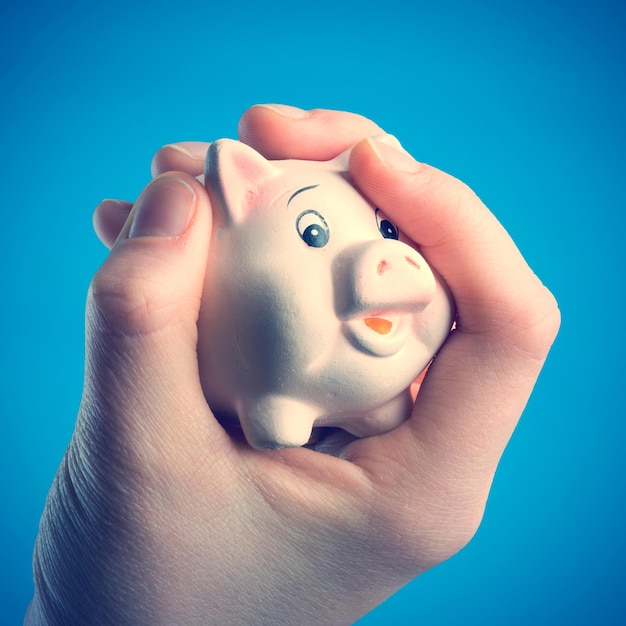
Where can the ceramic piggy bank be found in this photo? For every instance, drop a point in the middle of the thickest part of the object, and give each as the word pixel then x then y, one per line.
pixel 315 312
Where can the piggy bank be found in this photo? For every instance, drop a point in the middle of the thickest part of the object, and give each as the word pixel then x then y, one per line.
pixel 316 310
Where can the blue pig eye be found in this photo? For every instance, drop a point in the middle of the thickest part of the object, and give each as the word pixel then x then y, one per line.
pixel 313 229
pixel 386 228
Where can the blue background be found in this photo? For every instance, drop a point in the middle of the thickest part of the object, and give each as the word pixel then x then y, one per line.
pixel 522 100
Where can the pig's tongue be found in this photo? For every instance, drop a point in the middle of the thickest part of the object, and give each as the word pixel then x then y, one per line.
pixel 379 324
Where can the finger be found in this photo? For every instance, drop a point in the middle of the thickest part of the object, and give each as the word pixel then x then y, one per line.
pixel 277 132
pixel 465 242
pixel 186 156
pixel 110 215
pixel 284 132
pixel 142 381
pixel 477 387
pixel 109 219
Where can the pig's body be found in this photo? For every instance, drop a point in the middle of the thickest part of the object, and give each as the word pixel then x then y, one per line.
pixel 311 316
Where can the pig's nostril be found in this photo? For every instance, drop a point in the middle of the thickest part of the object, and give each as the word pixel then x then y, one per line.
pixel 383 266
pixel 412 262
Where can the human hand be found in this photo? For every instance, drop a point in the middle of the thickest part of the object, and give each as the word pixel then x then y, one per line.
pixel 158 516
pixel 274 134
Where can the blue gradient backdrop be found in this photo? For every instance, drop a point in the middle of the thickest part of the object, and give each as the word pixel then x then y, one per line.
pixel 523 100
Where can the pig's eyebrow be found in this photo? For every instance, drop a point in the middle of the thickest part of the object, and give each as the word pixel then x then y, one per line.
pixel 300 191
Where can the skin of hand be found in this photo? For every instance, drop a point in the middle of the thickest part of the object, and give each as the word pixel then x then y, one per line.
pixel 158 516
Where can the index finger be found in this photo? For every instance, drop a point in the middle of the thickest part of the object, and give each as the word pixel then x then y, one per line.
pixel 286 132
pixel 277 132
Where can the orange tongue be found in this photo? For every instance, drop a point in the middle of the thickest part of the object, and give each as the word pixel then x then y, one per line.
pixel 379 324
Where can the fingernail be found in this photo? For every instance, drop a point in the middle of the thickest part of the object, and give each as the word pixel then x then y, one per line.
pixel 122 206
pixel 286 110
pixel 164 209
pixel 390 151
pixel 389 140
pixel 193 149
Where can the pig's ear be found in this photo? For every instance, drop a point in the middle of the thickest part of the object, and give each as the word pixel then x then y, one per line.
pixel 233 174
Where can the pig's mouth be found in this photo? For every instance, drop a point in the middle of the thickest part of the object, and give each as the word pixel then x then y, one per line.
pixel 379 335
pixel 381 325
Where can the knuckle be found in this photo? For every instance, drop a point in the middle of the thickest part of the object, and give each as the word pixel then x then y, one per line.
pixel 433 527
pixel 421 547
pixel 128 302
pixel 536 323
pixel 448 535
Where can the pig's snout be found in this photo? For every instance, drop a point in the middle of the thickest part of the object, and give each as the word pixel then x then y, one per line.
pixel 385 276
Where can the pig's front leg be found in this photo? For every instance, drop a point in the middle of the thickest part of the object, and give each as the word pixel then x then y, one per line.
pixel 274 421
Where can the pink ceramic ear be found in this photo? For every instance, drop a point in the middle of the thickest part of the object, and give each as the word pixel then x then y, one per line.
pixel 245 171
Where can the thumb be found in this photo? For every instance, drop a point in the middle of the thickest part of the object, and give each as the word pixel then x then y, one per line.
pixel 141 380
pixel 478 386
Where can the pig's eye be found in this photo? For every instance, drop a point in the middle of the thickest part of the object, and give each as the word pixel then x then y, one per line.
pixel 313 229
pixel 386 228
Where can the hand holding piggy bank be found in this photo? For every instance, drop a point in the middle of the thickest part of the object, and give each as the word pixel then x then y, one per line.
pixel 315 311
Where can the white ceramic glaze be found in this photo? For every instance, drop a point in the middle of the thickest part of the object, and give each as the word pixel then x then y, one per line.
pixel 314 313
